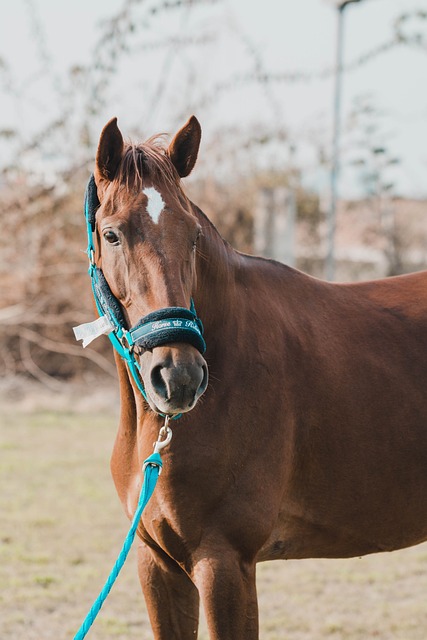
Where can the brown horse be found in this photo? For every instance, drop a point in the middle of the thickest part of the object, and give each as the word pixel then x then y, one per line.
pixel 311 437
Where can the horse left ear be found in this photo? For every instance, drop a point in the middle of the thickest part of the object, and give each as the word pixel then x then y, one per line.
pixel 110 151
pixel 184 147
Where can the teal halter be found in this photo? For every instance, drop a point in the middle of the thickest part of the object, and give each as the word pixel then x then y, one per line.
pixel 171 324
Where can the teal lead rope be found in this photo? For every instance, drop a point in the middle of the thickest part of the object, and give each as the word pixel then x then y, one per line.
pixel 152 469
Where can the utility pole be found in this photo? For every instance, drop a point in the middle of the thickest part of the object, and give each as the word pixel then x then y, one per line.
pixel 335 164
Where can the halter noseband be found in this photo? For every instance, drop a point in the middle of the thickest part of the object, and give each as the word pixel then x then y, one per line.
pixel 171 324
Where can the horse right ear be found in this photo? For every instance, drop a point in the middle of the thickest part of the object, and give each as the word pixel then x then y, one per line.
pixel 110 151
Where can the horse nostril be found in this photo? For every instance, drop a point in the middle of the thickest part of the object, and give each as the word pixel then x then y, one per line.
pixel 158 382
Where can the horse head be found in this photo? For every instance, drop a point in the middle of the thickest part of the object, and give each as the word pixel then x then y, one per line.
pixel 145 238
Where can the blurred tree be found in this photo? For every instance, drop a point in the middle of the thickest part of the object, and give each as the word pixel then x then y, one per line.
pixel 375 163
pixel 44 163
pixel 43 169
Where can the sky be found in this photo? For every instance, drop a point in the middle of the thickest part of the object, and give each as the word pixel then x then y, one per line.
pixel 279 36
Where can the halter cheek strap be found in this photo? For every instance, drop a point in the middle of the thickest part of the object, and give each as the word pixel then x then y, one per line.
pixel 171 324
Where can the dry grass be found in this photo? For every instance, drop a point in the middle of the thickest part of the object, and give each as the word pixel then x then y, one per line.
pixel 62 526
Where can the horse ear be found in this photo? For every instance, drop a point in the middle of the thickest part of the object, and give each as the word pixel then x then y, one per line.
pixel 110 151
pixel 184 147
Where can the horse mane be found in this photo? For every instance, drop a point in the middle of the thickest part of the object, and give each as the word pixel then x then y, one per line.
pixel 145 162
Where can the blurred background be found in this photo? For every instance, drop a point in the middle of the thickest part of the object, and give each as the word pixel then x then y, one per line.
pixel 314 118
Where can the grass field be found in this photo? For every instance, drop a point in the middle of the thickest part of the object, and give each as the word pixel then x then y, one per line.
pixel 61 527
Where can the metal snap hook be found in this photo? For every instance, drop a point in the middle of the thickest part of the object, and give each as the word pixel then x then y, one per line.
pixel 165 436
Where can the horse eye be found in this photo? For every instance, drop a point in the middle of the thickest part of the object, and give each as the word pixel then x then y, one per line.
pixel 111 237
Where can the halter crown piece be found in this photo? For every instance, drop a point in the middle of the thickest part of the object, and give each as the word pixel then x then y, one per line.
pixel 172 324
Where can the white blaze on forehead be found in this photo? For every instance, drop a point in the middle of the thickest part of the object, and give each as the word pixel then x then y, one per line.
pixel 155 204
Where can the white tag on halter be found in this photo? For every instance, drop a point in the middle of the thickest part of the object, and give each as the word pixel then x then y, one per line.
pixel 91 330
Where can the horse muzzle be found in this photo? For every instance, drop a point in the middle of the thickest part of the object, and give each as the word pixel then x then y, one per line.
pixel 175 377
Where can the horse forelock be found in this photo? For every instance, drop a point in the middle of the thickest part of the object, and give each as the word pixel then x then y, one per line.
pixel 145 164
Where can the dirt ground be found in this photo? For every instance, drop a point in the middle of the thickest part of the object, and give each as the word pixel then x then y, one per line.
pixel 61 527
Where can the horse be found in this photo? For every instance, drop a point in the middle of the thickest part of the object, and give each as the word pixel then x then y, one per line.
pixel 303 426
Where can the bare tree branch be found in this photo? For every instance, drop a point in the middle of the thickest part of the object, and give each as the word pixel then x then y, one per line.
pixel 61 347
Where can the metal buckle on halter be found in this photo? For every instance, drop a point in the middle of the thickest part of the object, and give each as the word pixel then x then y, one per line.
pixel 126 341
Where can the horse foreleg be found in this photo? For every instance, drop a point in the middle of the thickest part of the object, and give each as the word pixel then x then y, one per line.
pixel 227 589
pixel 172 599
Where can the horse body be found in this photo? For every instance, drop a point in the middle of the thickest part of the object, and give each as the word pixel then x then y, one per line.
pixel 310 440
